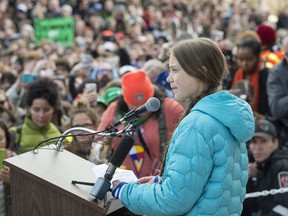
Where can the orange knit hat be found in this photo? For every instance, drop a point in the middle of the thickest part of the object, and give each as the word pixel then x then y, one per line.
pixel 137 88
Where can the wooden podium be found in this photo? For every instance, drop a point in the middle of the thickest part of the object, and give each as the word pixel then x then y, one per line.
pixel 41 185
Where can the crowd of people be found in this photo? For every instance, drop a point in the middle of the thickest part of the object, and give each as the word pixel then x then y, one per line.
pixel 132 50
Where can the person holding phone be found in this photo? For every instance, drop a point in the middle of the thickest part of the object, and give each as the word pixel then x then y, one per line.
pixel 15 94
pixel 4 171
pixel 87 94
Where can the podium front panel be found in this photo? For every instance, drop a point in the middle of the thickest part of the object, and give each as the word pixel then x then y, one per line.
pixel 41 185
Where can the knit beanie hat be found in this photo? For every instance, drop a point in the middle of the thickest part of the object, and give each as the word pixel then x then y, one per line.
pixel 267 34
pixel 136 87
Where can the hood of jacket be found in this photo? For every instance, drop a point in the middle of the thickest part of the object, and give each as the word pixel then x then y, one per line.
pixel 233 112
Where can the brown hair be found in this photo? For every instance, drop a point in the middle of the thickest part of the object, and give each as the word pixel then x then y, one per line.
pixel 202 59
pixel 89 112
pixel 248 34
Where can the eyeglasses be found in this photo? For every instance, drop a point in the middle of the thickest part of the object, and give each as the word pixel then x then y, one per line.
pixel 100 71
pixel 88 125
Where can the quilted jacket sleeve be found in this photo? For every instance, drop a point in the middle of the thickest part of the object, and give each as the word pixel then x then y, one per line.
pixel 188 165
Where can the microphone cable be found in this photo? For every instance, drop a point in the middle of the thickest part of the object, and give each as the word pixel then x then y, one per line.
pixel 64 137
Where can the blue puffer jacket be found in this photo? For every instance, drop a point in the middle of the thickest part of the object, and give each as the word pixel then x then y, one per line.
pixel 206 165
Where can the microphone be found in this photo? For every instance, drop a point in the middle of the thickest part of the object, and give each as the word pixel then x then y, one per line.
pixel 102 185
pixel 152 105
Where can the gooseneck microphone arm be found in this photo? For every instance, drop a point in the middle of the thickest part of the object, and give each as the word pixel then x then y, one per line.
pixel 103 184
pixel 152 105
pixel 101 134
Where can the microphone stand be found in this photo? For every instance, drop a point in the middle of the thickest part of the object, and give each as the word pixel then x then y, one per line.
pixel 82 183
pixel 101 134
pixel 91 184
pixel 127 129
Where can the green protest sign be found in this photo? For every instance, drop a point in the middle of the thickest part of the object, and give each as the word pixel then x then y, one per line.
pixel 56 29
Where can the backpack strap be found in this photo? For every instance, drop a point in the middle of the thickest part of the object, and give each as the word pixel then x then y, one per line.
pixel 162 130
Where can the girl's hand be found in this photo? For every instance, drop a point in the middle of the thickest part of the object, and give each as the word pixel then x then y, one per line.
pixel 117 188
pixel 149 180
pixel 114 184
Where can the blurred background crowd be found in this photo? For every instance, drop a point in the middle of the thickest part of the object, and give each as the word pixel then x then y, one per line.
pixel 101 40
pixel 63 45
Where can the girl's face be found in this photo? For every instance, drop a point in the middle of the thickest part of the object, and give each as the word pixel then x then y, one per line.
pixel 247 60
pixel 183 85
pixel 3 141
pixel 41 112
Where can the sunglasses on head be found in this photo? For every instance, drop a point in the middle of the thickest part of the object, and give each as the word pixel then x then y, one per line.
pixel 104 71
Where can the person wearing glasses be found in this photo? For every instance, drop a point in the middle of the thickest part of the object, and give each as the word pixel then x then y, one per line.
pixel 81 145
pixel 277 90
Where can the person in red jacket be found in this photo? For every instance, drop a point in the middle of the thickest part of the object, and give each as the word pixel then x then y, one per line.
pixel 152 131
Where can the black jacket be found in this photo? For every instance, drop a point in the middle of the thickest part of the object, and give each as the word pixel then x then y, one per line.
pixel 277 90
pixel 272 174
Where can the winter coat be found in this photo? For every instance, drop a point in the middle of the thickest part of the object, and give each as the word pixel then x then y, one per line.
pixel 28 135
pixel 206 164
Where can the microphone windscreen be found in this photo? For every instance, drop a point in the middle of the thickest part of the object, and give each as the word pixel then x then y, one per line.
pixel 153 104
pixel 122 150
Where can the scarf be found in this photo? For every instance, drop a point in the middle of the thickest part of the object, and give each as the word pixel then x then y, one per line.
pixel 254 81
